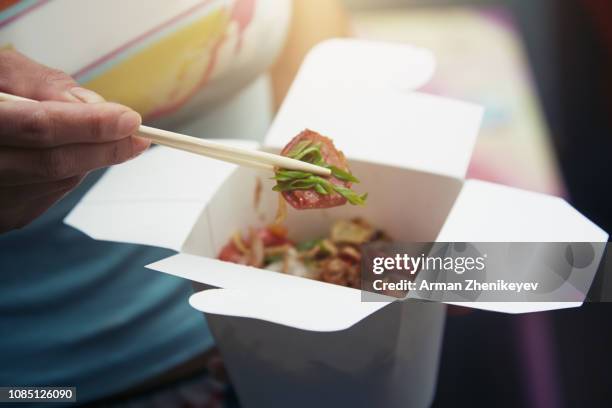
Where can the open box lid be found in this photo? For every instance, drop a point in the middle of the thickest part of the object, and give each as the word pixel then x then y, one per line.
pixel 362 95
pixel 488 212
pixel 154 200
pixel 255 293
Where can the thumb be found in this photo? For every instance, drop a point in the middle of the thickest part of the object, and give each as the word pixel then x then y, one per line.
pixel 21 76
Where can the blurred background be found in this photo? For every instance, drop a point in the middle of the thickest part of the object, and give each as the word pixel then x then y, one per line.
pixel 542 69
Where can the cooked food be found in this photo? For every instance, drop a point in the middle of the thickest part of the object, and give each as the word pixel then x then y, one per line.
pixel 308 191
pixel 333 259
pixel 251 250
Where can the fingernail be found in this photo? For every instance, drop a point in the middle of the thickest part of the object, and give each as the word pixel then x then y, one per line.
pixel 139 145
pixel 85 95
pixel 128 123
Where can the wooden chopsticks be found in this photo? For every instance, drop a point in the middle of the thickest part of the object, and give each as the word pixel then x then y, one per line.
pixel 243 157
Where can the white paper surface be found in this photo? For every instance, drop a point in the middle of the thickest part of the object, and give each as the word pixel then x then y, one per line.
pixel 249 292
pixel 152 200
pixel 299 310
pixel 360 94
pixel 364 65
pixel 488 212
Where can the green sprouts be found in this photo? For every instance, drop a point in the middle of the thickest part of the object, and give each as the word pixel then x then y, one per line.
pixel 308 151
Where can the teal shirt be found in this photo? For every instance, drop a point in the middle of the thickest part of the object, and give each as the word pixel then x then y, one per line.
pixel 85 313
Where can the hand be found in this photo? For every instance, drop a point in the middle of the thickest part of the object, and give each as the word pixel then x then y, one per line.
pixel 47 148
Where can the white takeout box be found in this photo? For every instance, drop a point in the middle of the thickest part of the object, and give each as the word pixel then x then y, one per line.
pixel 289 341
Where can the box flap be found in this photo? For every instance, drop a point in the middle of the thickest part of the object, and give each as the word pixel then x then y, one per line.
pixel 361 94
pixel 487 212
pixel 306 304
pixel 152 200
pixel 297 309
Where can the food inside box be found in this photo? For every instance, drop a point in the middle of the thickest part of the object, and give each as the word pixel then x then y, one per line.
pixel 334 258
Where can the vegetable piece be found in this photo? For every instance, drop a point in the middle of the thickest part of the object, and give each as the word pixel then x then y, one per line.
pixel 340 272
pixel 333 259
pixel 256 255
pixel 281 212
pixel 306 191
pixel 231 253
pixel 251 251
pixel 355 232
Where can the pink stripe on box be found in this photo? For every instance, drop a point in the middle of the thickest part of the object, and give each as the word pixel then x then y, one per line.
pixel 23 13
pixel 138 39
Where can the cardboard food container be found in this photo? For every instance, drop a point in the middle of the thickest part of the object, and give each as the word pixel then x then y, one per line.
pixel 290 341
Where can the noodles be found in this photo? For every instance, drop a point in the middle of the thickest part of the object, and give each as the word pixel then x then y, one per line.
pixel 237 240
pixel 281 211
pixel 334 259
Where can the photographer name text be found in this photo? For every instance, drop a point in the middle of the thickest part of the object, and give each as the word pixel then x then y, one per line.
pixel 467 285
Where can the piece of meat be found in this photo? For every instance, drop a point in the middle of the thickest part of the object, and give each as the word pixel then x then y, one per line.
pixel 269 236
pixel 310 199
pixel 273 235
pixel 340 272
pixel 231 253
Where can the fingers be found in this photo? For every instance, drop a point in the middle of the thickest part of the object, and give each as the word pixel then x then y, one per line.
pixel 21 76
pixel 46 148
pixel 28 166
pixel 85 95
pixel 51 124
